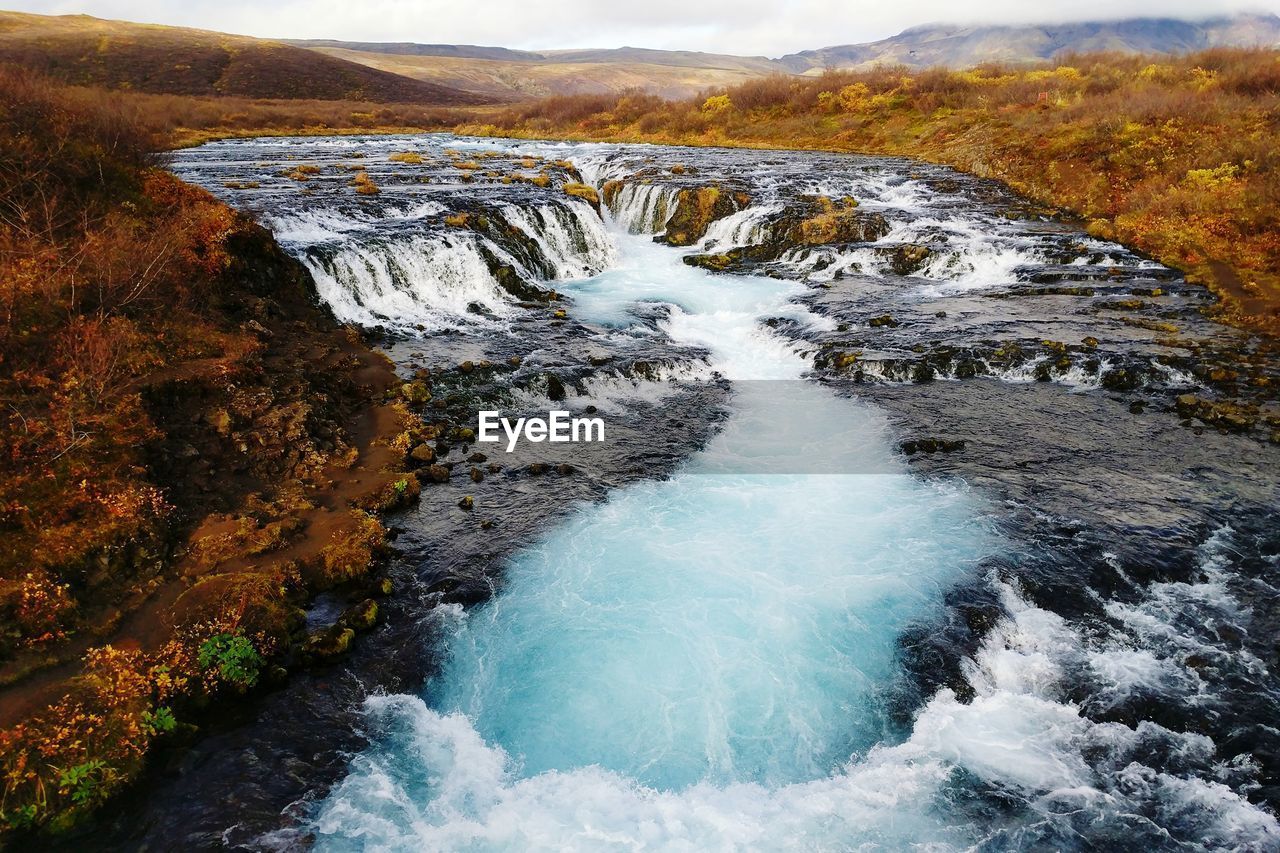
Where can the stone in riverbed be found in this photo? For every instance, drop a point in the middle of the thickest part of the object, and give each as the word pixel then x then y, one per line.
pixel 908 258
pixel 328 643
pixel 714 263
pixel 695 210
pixel 360 617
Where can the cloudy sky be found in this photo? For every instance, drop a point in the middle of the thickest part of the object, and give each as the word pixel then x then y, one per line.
pixel 769 27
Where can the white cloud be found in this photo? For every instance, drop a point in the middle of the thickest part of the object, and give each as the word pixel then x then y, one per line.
pixel 770 27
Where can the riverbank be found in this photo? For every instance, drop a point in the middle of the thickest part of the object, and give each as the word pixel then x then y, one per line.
pixel 198 448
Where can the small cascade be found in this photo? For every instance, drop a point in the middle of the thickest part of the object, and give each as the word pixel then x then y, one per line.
pixel 427 282
pixel 570 236
pixel 643 208
pixel 398 268
pixel 747 227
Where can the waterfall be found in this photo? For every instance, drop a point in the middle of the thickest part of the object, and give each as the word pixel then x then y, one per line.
pixel 643 208
pixel 746 227
pixel 737 656
pixel 438 281
pixel 399 269
pixel 570 235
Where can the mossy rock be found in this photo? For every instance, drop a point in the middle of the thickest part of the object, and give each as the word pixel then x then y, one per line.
pixel 360 617
pixel 328 643
pixel 416 392
pixel 695 210
pixel 714 263
pixel 585 192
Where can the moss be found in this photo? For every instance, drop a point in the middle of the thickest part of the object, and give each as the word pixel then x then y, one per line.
pixel 584 191
pixel 694 211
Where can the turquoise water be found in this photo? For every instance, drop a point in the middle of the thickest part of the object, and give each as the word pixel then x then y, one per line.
pixel 726 630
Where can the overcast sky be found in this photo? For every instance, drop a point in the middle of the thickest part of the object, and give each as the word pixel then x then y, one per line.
pixel 768 27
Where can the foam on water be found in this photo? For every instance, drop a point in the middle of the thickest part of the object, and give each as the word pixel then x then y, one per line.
pixel 721 637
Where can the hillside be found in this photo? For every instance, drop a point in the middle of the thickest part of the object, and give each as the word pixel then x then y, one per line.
pixel 964 47
pixel 501 73
pixel 82 50
pixel 499 80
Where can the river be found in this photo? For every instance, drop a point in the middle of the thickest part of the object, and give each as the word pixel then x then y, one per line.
pixel 895 542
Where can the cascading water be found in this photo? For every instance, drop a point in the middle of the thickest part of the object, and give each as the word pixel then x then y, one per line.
pixel 713 660
pixel 732 626
pixel 643 208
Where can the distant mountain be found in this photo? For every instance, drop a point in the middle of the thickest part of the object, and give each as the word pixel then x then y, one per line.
pixel 495 72
pixel 676 58
pixel 405 48
pixel 174 60
pixel 965 46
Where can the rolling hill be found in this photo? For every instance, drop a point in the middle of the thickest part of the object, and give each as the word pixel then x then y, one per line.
pixel 173 60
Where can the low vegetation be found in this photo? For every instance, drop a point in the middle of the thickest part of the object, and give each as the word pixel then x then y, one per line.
pixel 1177 157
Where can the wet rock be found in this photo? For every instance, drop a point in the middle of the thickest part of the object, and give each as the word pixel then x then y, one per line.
pixel 908 258
pixel 328 643
pixel 477 476
pixel 1121 379
pixel 360 617
pixel 537 468
pixel 477 457
pixel 882 320
pixel 555 387
pixel 437 474
pixel 564 469
pixel 1122 305
pixel 423 454
pixel 931 445
pixel 695 210
pixel 585 192
pixel 714 263
pixel 1226 416
pixel 467 502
